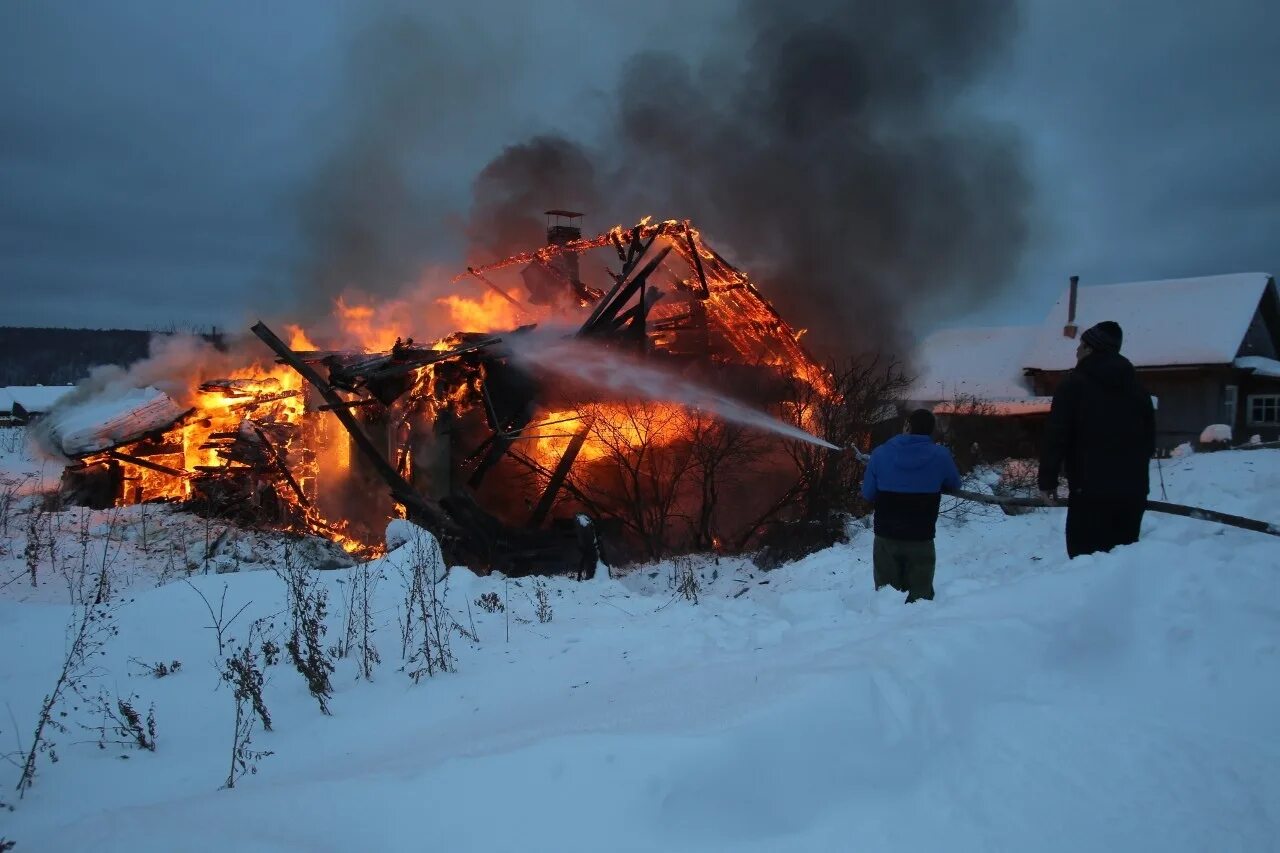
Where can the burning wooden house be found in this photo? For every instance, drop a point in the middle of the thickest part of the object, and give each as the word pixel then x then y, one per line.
pixel 497 441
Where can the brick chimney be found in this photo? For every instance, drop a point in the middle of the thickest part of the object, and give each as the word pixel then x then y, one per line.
pixel 564 226
pixel 1071 329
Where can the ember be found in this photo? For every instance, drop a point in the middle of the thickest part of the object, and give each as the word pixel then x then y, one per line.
pixel 497 438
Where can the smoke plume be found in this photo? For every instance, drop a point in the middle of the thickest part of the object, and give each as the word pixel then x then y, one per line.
pixel 513 190
pixel 376 210
pixel 830 148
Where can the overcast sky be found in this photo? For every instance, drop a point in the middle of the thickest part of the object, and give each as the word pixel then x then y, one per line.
pixel 157 159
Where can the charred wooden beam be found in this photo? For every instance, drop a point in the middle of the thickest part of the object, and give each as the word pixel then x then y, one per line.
pixel 148 464
pixel 697 259
pixel 610 306
pixel 277 456
pixel 349 404
pixel 430 357
pixel 620 281
pixel 496 289
pixel 415 505
pixel 558 477
pixel 147 449
pixel 262 401
pixel 566 485
pixel 499 444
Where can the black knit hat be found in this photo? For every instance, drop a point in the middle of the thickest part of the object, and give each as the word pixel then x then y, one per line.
pixel 1106 336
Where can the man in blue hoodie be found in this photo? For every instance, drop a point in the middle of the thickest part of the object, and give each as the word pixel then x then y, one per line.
pixel 905 479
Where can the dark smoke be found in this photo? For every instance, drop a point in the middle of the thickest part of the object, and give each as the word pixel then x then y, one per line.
pixel 829 148
pixel 375 211
pixel 513 190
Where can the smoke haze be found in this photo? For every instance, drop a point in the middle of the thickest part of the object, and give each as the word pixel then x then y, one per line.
pixel 826 148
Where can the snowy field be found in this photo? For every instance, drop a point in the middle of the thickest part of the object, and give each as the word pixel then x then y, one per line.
pixel 1121 702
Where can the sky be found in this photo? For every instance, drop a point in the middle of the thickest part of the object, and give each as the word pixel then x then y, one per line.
pixel 181 165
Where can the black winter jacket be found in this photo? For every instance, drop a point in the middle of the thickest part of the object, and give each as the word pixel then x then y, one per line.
pixel 1101 429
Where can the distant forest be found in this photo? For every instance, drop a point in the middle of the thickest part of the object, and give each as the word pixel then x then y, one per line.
pixel 31 356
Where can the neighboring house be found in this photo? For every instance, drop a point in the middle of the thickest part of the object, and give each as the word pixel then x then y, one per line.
pixel 20 404
pixel 983 363
pixel 1208 350
pixel 973 380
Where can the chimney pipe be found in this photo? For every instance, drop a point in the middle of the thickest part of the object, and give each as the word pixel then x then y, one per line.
pixel 1071 329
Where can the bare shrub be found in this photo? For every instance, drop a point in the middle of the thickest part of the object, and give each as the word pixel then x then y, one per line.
pixel 724 457
pixel 159 669
pixel 243 671
pixel 490 603
pixel 978 433
pixel 79 572
pixel 221 622
pixel 367 581
pixel 646 462
pixel 31 553
pixel 308 606
pixel 964 424
pixel 92 625
pixel 11 486
pixel 122 724
pixel 542 602
pixel 825 489
pixel 427 623
pixel 685 578
pixel 12 439
pixel 347 639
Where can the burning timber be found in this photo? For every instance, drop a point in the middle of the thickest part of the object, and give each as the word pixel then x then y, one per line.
pixel 501 457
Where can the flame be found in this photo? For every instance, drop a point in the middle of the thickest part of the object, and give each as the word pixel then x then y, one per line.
pixel 253 420
pixel 613 429
pixel 489 313
pixel 362 324
pixel 298 339
pixel 734 306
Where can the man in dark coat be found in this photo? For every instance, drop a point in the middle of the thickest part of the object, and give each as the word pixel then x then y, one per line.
pixel 1102 431
pixel 904 480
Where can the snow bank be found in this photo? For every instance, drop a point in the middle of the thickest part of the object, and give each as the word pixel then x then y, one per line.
pixel 401 532
pixel 1115 702
pixel 1216 434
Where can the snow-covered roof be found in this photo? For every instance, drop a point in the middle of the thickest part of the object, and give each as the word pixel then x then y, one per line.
pixel 985 363
pixel 34 399
pixel 1261 366
pixel 1171 322
pixel 110 420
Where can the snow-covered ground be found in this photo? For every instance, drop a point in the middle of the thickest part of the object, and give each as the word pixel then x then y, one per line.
pixel 1119 702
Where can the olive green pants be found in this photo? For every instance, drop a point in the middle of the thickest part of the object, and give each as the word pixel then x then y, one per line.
pixel 905 566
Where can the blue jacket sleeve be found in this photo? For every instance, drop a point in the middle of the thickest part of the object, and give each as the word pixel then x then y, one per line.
pixel 869 486
pixel 950 474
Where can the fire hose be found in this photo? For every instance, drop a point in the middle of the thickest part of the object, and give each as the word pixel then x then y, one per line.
pixel 1198 513
pixel 1183 510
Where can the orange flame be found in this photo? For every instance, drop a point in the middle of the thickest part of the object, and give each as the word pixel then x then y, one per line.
pixel 298 339
pixel 489 313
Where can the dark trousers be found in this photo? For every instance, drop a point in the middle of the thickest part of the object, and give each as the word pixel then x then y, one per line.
pixel 906 566
pixel 1101 523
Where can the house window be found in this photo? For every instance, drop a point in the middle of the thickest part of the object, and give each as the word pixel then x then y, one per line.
pixel 1264 409
pixel 1229 397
